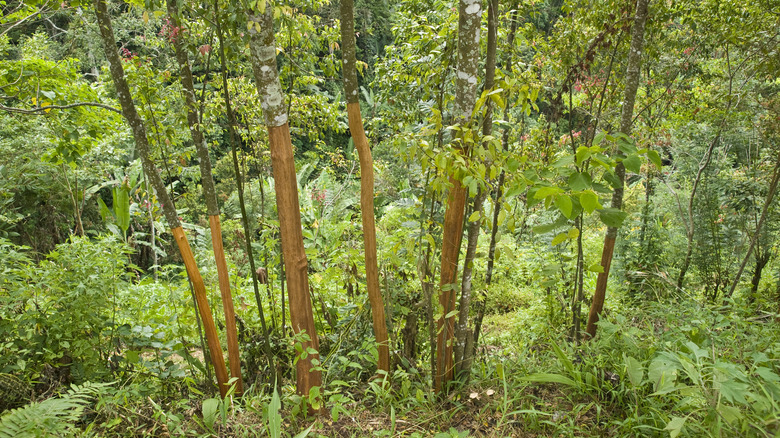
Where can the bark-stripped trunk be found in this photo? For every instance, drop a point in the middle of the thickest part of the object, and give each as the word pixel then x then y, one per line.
pixel 469 20
pixel 632 83
pixel 209 194
pixel 464 334
pixel 263 57
pixel 142 146
pixel 349 71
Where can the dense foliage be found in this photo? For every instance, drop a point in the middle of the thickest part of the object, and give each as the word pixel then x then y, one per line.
pixel 99 334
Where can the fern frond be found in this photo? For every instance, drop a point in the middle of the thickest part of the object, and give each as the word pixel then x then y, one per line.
pixel 51 417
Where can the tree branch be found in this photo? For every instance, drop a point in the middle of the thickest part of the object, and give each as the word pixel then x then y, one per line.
pixel 37 111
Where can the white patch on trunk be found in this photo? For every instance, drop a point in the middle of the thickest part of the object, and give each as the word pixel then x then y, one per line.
pixel 281 119
pixel 473 8
pixel 471 79
pixel 273 95
pixel 266 53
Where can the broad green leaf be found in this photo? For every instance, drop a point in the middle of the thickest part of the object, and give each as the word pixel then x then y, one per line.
pixel 635 370
pixel 574 233
pixel 625 143
pixel 596 267
pixel 633 163
pixel 612 217
pixel 474 216
pixel 612 179
pixel 579 181
pixel 545 192
pixel 210 407
pixel 675 426
pixel 729 413
pixel 583 153
pixel 589 201
pixel 122 207
pixel 564 204
pixel 655 159
pixel 559 238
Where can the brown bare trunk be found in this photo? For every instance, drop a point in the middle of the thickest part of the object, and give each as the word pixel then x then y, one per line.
pixel 366 183
pixel 632 83
pixel 209 195
pixel 142 144
pixel 263 58
pixel 469 21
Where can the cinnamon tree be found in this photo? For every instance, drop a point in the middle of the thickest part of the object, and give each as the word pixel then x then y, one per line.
pixel 138 129
pixel 262 47
pixel 349 73
pixel 209 192
pixel 469 21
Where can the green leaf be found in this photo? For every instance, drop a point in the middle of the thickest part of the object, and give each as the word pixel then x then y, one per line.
pixel 545 192
pixel 589 201
pixel 564 204
pixel 583 153
pixel 474 216
pixel 546 228
pixel 613 180
pixel 580 181
pixel 675 426
pixel 122 207
pixel 549 378
pixel 612 217
pixel 559 238
pixel 305 433
pixel 210 407
pixel 625 143
pixel 655 159
pixel 596 267
pixel 632 163
pixel 274 418
pixel 635 370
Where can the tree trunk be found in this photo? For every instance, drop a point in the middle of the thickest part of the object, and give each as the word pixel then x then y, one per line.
pixel 632 83
pixel 469 21
pixel 480 306
pixel 464 334
pixel 209 194
pixel 366 183
pixel 263 58
pixel 142 145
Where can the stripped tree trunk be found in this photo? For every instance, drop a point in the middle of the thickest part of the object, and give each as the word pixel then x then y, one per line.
pixel 632 83
pixel 349 72
pixel 464 334
pixel 263 57
pixel 469 20
pixel 142 145
pixel 210 195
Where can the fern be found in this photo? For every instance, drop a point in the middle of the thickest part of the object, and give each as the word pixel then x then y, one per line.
pixel 51 417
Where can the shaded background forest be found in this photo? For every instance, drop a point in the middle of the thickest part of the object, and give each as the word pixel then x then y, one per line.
pixel 92 288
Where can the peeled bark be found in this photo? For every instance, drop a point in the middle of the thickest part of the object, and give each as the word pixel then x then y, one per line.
pixel 209 194
pixel 469 21
pixel 142 146
pixel 263 58
pixel 349 72
pixel 626 121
